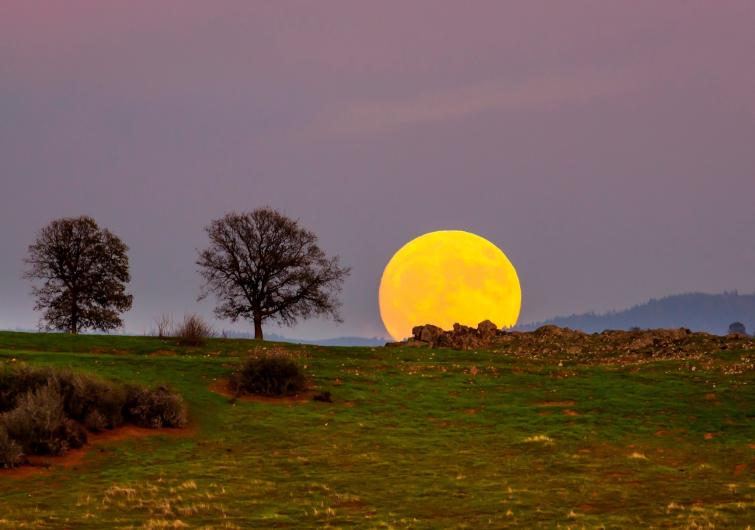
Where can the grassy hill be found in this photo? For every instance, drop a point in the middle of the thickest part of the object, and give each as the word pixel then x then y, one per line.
pixel 415 438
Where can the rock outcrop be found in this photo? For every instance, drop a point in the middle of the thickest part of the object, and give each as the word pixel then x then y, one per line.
pixel 552 340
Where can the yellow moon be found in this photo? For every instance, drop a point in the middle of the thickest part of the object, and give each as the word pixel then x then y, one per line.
pixel 446 277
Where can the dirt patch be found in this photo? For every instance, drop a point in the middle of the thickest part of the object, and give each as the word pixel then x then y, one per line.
pixel 670 432
pixel 570 412
pixel 222 387
pixel 567 403
pixel 103 351
pixel 163 353
pixel 38 464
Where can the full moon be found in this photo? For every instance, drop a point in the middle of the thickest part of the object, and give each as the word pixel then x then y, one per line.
pixel 446 277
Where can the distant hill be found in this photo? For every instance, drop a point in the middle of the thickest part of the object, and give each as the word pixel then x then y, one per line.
pixel 336 341
pixel 697 311
pixel 348 341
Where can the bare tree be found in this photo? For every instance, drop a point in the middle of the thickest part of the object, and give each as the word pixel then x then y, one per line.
pixel 262 265
pixel 84 270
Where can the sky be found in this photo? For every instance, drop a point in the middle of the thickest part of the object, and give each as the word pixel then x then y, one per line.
pixel 607 147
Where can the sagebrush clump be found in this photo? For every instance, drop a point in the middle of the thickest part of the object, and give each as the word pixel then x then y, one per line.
pixel 39 424
pixel 193 331
pixel 96 403
pixel 154 408
pixel 45 411
pixel 18 380
pixel 10 450
pixel 273 374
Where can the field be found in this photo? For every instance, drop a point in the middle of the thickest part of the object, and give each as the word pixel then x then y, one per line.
pixel 415 438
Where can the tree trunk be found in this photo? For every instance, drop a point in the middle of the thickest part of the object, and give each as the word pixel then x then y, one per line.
pixel 257 328
pixel 73 328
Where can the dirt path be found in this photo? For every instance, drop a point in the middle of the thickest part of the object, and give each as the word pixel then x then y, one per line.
pixel 39 464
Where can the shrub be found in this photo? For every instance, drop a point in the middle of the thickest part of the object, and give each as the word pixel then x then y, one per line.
pixel 268 375
pixel 164 325
pixel 81 393
pixel 16 380
pixel 46 411
pixel 94 421
pixel 39 425
pixel 10 451
pixel 193 331
pixel 737 328
pixel 154 408
pixel 87 396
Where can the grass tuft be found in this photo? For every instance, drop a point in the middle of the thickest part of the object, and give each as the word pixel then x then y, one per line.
pixel 539 438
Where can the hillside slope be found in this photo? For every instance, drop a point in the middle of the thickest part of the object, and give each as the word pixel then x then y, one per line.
pixel 414 438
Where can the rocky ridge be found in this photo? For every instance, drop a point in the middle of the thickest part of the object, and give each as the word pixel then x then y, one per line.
pixel 553 340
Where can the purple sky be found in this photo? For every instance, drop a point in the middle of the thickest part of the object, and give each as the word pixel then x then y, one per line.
pixel 607 147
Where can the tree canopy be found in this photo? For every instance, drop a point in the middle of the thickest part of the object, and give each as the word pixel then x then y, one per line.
pixel 262 265
pixel 84 272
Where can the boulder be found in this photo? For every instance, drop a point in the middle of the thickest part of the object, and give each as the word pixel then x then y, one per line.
pixel 487 329
pixel 461 329
pixel 548 329
pixel 466 342
pixel 640 343
pixel 427 333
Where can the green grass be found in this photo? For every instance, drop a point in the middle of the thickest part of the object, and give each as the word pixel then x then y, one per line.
pixel 416 438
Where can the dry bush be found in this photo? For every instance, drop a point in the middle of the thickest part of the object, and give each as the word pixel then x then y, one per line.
pixel 94 421
pixel 270 374
pixel 46 411
pixel 93 401
pixel 39 424
pixel 155 408
pixel 17 380
pixel 10 451
pixel 164 325
pixel 193 331
pixel 85 396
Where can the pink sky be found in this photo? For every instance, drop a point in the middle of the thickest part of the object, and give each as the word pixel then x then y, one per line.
pixel 607 147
